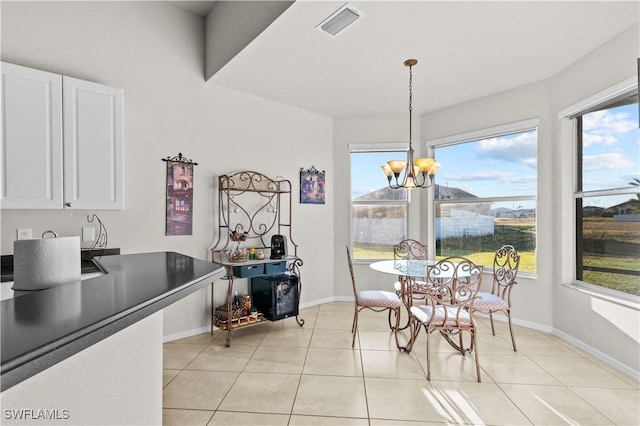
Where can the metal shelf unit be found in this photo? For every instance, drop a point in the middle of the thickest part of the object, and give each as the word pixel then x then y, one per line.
pixel 252 207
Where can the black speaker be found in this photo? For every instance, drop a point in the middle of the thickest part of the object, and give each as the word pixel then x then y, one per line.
pixel 278 247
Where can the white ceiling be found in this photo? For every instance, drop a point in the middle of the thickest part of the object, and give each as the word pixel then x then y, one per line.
pixel 465 50
pixel 201 8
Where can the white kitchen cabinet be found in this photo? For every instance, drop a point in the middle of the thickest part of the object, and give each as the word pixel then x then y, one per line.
pixel 84 156
pixel 93 144
pixel 31 152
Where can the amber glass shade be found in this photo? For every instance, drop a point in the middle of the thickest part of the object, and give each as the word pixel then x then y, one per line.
pixel 387 170
pixel 424 164
pixel 397 165
pixel 434 168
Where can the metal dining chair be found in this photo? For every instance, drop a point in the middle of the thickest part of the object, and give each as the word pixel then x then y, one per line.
pixel 505 269
pixel 448 309
pixel 409 249
pixel 377 301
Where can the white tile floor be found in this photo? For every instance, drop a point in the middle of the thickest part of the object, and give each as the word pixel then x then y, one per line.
pixel 282 374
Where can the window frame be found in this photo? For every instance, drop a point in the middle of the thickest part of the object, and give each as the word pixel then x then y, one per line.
pixel 619 91
pixel 522 126
pixel 390 147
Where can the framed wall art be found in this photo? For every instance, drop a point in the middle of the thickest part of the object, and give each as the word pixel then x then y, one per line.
pixel 312 186
pixel 179 200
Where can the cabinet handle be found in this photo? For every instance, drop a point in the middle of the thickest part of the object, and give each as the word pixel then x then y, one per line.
pixel 67 204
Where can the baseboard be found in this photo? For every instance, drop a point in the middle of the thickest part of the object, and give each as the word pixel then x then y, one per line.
pixel 612 362
pixel 184 334
pixel 522 323
pixel 317 302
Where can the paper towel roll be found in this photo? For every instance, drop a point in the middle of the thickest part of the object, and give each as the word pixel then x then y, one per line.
pixel 39 264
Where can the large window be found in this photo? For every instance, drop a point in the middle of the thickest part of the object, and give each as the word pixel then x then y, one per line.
pixel 485 194
pixel 607 196
pixel 379 213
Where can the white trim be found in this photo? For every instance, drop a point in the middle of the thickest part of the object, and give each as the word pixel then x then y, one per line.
pixel 612 362
pixel 619 298
pixel 184 334
pixel 316 302
pixel 618 90
pixel 474 135
pixel 378 147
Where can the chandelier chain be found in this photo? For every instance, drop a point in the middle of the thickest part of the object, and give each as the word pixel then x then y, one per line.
pixel 418 173
pixel 410 102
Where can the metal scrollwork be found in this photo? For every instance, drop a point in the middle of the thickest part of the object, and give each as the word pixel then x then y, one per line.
pixel 103 238
pixel 180 159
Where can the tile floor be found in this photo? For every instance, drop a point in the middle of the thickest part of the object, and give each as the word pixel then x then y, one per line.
pixel 282 374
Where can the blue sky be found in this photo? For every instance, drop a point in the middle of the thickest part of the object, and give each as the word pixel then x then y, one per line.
pixel 507 165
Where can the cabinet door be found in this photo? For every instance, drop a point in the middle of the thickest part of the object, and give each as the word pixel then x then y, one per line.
pixel 31 152
pixel 93 145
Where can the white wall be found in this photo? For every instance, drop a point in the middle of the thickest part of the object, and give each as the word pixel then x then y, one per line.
pixel 606 329
pixel 117 381
pixel 154 51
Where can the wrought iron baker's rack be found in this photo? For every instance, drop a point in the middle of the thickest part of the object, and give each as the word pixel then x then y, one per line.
pixel 253 207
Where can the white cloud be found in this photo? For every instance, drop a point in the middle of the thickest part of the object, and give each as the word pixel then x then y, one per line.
pixel 604 127
pixel 516 149
pixel 592 163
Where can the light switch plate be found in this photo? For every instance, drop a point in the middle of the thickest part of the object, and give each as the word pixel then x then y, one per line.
pixel 88 234
pixel 23 234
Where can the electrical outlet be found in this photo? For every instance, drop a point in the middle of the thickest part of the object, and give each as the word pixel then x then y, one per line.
pixel 24 234
pixel 88 234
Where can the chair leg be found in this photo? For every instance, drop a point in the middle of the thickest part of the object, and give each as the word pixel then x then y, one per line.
pixel 414 329
pixel 428 355
pixel 395 329
pixel 391 326
pixel 474 344
pixel 354 328
pixel 493 330
pixel 513 339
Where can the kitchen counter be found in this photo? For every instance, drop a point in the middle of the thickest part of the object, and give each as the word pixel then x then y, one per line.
pixel 42 328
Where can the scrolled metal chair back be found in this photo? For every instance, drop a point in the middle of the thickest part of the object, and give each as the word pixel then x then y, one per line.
pixel 455 279
pixel 505 265
pixel 409 249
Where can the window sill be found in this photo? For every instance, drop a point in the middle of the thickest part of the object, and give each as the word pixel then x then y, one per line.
pixel 622 299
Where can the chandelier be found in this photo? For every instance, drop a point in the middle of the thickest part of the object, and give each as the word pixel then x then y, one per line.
pixel 418 173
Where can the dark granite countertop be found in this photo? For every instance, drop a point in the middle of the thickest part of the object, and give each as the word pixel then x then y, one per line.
pixel 41 328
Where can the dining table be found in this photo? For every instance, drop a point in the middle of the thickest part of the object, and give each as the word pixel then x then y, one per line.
pixel 409 273
pixel 412 275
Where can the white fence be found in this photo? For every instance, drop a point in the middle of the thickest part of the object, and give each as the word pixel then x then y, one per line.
pixel 463 223
pixel 379 231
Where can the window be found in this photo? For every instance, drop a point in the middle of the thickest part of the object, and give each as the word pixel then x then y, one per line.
pixel 485 193
pixel 607 197
pixel 379 213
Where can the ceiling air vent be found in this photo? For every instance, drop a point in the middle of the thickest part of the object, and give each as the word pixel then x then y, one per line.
pixel 340 20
